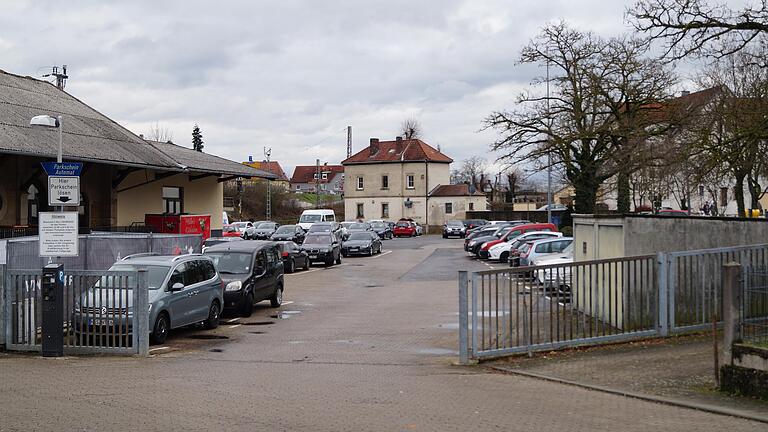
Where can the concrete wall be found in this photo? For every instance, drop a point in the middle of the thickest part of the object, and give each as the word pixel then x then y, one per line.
pixel 202 196
pixel 437 215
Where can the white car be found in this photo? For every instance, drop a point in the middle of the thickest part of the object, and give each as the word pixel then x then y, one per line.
pixel 500 252
pixel 545 248
pixel 558 278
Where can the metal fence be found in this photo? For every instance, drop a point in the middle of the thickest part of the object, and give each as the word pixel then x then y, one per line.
pixel 526 309
pixel 104 313
pixel 100 251
pixel 754 305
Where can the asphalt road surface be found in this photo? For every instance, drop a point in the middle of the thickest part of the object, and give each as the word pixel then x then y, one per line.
pixel 365 346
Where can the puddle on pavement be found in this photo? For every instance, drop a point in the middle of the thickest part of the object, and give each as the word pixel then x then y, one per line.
pixel 284 314
pixel 371 285
pixel 216 350
pixel 438 351
pixel 258 323
pixel 207 336
pixel 257 332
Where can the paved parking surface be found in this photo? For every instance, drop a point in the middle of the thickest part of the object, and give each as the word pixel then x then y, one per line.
pixel 367 345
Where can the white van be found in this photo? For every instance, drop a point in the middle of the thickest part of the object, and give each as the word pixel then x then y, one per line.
pixel 308 217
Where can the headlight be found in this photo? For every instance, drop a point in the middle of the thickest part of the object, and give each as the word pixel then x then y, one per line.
pixel 234 286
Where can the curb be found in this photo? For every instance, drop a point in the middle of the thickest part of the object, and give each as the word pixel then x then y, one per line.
pixel 656 399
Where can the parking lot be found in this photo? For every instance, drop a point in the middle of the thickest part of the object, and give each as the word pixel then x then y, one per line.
pixel 365 345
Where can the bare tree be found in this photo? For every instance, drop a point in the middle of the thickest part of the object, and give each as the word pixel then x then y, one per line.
pixel 596 119
pixel 411 129
pixel 696 27
pixel 160 133
pixel 473 171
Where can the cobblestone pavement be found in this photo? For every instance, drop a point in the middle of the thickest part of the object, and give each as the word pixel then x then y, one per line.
pixel 363 346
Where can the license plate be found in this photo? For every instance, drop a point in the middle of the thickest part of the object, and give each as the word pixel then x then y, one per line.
pixel 313 257
pixel 101 322
pixel 354 249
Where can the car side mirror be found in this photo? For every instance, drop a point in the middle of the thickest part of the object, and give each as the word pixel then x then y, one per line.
pixel 178 286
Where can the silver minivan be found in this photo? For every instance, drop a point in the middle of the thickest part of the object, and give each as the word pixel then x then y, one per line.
pixel 183 290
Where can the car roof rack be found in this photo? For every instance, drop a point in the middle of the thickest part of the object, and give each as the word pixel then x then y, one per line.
pixel 178 257
pixel 139 255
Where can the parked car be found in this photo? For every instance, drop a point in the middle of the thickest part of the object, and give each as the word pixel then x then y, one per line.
pixel 419 229
pixel 382 229
pixel 213 241
pixel 183 290
pixel 501 251
pixel 477 242
pixel 264 231
pixel 344 227
pixel 242 227
pixel 476 234
pixel 541 248
pixel 292 233
pixel 672 212
pixel 322 247
pixel 511 234
pixel 230 231
pixel 326 227
pixel 357 227
pixel 474 223
pixel 404 228
pixel 292 255
pixel 556 279
pixel 309 217
pixel 252 271
pixel 248 234
pixel 553 207
pixel 454 228
pixel 362 243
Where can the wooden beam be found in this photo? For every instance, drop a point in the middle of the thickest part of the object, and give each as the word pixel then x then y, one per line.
pixel 157 178
pixel 200 176
pixel 32 177
pixel 228 178
pixel 121 175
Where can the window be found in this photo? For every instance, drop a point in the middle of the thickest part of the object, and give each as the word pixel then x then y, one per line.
pixel 325 176
pixel 471 206
pixel 360 207
pixel 701 191
pixel 360 183
pixel 410 182
pixel 173 201
pixel 384 210
pixel 177 276
pixel 448 208
pixel 723 197
pixel 385 182
pixel 298 187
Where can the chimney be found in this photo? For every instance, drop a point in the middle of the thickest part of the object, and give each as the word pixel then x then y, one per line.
pixel 141 136
pixel 374 146
pixel 684 93
pixel 398 138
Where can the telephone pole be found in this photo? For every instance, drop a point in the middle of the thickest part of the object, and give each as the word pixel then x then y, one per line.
pixel 267 154
pixel 349 141
pixel 317 183
pixel 61 77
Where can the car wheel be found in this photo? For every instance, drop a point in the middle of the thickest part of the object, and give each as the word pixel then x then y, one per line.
pixel 329 261
pixel 291 266
pixel 247 309
pixel 277 297
pixel 306 264
pixel 161 328
pixel 338 259
pixel 213 316
pixel 504 257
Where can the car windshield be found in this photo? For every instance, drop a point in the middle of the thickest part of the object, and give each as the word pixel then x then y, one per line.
pixel 378 225
pixel 320 228
pixel 286 229
pixel 155 275
pixel 347 224
pixel 267 225
pixel 358 226
pixel 240 226
pixel 317 239
pixel 213 242
pixel 231 262
pixel 310 218
pixel 455 223
pixel 500 233
pixel 228 228
pixel 359 236
pixel 403 224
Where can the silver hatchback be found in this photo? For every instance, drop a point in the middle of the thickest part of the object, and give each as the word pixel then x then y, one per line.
pixel 183 290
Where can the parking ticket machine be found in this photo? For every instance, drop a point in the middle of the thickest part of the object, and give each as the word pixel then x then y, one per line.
pixel 53 310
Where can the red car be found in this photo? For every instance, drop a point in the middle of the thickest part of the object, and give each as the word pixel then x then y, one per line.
pixel 404 229
pixel 520 229
pixel 230 231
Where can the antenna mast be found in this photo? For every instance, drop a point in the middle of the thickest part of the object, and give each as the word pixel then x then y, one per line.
pixel 61 77
pixel 349 141
pixel 267 154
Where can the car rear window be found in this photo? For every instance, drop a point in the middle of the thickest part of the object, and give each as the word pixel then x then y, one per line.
pixel 360 236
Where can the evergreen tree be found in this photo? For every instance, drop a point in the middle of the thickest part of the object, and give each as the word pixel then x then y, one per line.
pixel 197 139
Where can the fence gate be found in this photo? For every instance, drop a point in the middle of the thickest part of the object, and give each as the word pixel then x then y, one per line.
pixel 753 326
pixel 99 311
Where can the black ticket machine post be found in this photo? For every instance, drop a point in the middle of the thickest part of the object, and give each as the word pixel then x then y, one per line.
pixel 53 310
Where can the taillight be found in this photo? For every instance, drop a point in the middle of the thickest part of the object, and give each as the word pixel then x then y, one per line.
pixel 285 254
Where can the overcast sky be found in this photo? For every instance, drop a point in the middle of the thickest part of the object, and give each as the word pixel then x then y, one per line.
pixel 291 75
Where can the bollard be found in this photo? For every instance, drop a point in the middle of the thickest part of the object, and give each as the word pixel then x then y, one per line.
pixel 731 309
pixel 463 319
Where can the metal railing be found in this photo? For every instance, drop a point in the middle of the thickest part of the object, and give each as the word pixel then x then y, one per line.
pixel 526 309
pixel 753 325
pixel 103 311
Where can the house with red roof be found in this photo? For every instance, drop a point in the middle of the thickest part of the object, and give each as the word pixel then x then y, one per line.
pixel 272 167
pixel 405 178
pixel 330 181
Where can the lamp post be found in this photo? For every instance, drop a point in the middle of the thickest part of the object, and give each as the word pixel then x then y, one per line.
pixel 47 121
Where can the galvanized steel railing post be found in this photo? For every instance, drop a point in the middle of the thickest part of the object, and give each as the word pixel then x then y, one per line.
pixel 463 318
pixel 663 323
pixel 5 313
pixel 474 315
pixel 141 314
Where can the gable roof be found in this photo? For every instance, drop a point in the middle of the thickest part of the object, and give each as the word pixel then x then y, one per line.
pixel 195 161
pixel 306 173
pixel 399 150
pixel 272 167
pixel 88 135
pixel 453 190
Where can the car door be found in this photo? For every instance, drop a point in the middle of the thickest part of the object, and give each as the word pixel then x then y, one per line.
pixel 210 287
pixel 181 303
pixel 194 277
pixel 260 280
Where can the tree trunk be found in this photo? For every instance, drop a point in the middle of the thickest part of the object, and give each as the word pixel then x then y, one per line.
pixel 738 190
pixel 755 190
pixel 623 198
pixel 586 186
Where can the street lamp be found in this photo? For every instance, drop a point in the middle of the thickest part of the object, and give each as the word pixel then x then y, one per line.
pixel 49 122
